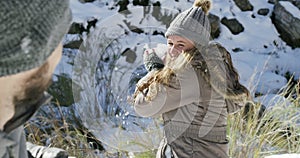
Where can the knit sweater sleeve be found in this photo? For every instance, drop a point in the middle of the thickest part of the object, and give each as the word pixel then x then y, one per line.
pixel 171 97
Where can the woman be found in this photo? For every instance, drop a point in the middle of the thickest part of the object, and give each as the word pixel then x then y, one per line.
pixel 194 91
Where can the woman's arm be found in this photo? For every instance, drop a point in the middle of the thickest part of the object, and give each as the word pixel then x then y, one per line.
pixel 170 97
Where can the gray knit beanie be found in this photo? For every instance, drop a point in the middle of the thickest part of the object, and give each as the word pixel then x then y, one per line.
pixel 193 24
pixel 30 30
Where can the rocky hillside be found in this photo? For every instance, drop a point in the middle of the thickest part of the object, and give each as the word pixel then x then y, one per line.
pixel 283 14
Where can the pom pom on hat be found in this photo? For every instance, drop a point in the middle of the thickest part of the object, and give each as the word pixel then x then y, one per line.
pixel 204 4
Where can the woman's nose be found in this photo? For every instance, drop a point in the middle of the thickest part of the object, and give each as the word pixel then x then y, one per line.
pixel 174 50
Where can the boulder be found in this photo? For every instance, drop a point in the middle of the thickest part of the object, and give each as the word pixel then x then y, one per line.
pixel 233 25
pixel 215 25
pixel 272 1
pixel 130 55
pixel 244 5
pixel 140 2
pixel 91 23
pixel 295 2
pixel 74 44
pixel 287 22
pixel 76 28
pixel 123 5
pixel 263 11
pixel 86 1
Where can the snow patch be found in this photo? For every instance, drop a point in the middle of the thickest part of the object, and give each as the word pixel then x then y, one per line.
pixel 291 8
pixel 270 100
pixel 83 11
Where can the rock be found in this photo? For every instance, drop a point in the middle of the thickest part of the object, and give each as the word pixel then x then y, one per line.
pixel 263 11
pixel 158 33
pixel 130 55
pixel 76 28
pixel 140 2
pixel 123 5
pixel 233 25
pixel 237 49
pixel 272 1
pixel 61 89
pixel 157 3
pixel 91 23
pixel 74 44
pixel 86 1
pixel 162 14
pixel 287 24
pixel 36 151
pixel 297 4
pixel 244 5
pixel 294 2
pixel 215 25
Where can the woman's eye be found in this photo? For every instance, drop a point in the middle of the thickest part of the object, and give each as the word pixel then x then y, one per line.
pixel 170 44
pixel 180 45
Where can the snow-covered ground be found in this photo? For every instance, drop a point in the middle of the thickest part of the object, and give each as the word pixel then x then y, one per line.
pixel 264 58
pixel 260 62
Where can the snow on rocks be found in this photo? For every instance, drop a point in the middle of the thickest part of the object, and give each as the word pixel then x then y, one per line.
pixel 286 18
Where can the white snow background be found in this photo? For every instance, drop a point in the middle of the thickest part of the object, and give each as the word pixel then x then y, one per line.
pixel 261 69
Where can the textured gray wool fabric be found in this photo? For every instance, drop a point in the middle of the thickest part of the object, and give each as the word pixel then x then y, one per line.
pixel 192 24
pixel 29 32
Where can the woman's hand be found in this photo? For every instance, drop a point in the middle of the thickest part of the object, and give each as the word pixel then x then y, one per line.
pixel 154 58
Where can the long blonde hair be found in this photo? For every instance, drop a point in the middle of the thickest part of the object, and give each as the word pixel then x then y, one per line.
pixel 165 75
pixel 227 85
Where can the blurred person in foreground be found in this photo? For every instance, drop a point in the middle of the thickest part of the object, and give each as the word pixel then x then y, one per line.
pixel 194 88
pixel 31 32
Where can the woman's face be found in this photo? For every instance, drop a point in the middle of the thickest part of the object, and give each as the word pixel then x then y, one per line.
pixel 178 44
